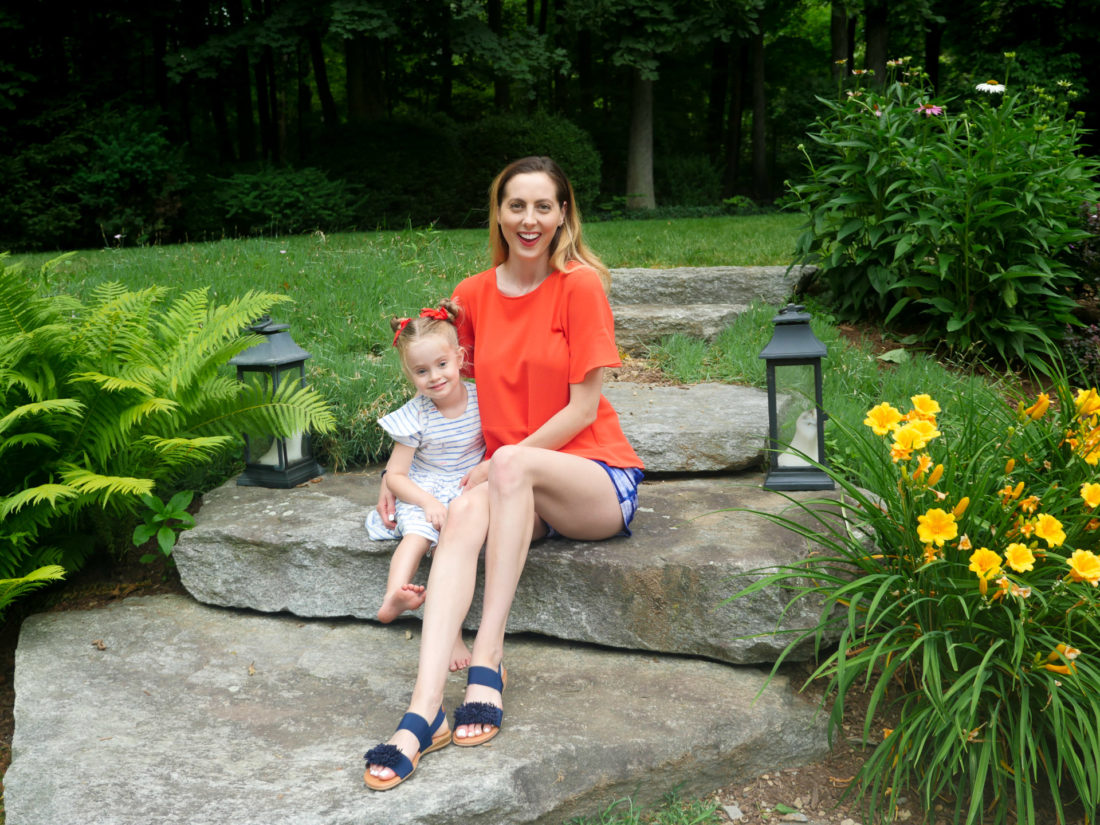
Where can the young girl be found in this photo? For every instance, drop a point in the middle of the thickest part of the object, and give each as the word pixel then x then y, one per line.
pixel 437 440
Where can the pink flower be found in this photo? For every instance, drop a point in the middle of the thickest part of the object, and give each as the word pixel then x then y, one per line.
pixel 928 110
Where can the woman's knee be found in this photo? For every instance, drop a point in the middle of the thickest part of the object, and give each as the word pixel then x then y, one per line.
pixel 509 468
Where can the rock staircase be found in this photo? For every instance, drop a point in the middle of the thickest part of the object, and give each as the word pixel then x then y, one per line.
pixel 252 702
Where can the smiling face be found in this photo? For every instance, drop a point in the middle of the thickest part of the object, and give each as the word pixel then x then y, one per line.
pixel 433 364
pixel 530 215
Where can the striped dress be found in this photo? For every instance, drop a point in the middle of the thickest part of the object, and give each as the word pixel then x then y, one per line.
pixel 446 449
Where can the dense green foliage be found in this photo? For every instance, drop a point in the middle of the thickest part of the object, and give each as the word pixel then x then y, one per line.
pixel 960 576
pixel 953 224
pixel 108 400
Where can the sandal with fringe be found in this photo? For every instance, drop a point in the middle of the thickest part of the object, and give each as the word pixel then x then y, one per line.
pixel 389 756
pixel 481 713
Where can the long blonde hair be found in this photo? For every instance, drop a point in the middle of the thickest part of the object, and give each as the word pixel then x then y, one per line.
pixel 568 249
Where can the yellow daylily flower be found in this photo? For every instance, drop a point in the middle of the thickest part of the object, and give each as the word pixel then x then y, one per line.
pixel 1090 494
pixel 936 526
pixel 1084 566
pixel 1019 557
pixel 1049 529
pixel 924 408
pixel 1039 408
pixel 986 564
pixel 882 419
pixel 1087 402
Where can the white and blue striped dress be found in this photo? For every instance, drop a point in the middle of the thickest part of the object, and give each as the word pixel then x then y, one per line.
pixel 446 449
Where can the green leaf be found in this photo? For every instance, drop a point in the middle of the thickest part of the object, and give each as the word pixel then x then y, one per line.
pixel 142 534
pixel 166 538
pixel 895 356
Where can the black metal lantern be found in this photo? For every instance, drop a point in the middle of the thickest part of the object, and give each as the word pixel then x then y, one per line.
pixel 275 461
pixel 796 416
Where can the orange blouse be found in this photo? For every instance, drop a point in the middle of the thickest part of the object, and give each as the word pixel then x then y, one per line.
pixel 524 352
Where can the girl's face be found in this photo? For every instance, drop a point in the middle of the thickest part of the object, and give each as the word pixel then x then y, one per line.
pixel 432 364
pixel 529 215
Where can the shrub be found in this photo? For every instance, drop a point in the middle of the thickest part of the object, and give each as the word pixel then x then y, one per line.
pixel 687 180
pixel 407 170
pixel 952 222
pixel 286 201
pixel 493 142
pixel 133 181
pixel 961 579
pixel 105 402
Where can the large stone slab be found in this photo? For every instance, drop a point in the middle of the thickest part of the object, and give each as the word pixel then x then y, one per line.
pixel 639 325
pixel 707 285
pixel 305 551
pixel 160 710
pixel 699 428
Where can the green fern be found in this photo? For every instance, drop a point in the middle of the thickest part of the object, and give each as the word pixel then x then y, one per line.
pixel 104 402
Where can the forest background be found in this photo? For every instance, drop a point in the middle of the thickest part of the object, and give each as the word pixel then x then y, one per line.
pixel 125 122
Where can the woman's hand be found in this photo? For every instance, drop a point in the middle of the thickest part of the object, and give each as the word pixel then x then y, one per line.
pixel 478 475
pixel 387 505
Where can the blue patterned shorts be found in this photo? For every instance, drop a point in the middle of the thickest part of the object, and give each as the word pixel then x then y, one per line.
pixel 626 480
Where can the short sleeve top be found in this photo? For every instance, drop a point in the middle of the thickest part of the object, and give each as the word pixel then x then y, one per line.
pixel 445 447
pixel 525 351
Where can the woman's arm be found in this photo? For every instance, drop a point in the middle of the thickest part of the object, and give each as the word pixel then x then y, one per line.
pixel 560 428
pixel 578 413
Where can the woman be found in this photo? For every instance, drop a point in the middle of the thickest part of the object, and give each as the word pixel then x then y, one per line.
pixel 538 332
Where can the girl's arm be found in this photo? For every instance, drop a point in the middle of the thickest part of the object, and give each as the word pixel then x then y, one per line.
pixel 398 481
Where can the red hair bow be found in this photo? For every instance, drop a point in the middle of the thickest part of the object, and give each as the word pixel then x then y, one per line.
pixel 401 324
pixel 438 314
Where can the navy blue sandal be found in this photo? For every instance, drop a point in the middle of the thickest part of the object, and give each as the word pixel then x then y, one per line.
pixel 481 713
pixel 389 756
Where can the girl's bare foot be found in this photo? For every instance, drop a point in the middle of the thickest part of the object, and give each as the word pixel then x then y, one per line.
pixel 460 654
pixel 406 597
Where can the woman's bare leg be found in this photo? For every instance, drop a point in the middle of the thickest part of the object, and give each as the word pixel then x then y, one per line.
pixel 573 494
pixel 450 591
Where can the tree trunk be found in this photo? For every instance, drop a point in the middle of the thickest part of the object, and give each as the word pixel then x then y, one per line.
pixel 305 104
pixel 278 107
pixel 221 123
pixel 838 40
pixel 329 115
pixel 851 58
pixel 875 17
pixel 760 184
pixel 585 77
pixel 639 159
pixel 501 91
pixel 716 103
pixel 365 79
pixel 736 115
pixel 933 40
pixel 242 88
pixel 263 108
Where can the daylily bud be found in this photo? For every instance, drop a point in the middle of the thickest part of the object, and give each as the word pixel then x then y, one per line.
pixel 1010 465
pixel 936 475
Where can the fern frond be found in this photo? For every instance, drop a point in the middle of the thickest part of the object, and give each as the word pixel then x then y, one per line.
pixel 111 383
pixel 20 306
pixel 12 589
pixel 50 493
pixel 102 487
pixel 137 413
pixel 28 440
pixel 49 407
pixel 184 452
pixel 290 409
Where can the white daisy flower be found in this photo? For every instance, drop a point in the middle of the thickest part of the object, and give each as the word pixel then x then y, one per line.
pixel 992 87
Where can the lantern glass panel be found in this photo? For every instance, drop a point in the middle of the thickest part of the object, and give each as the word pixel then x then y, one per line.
pixel 796 415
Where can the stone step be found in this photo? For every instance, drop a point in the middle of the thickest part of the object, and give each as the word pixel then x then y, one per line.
pixel 639 325
pixel 697 428
pixel 305 551
pixel 708 285
pixel 183 713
